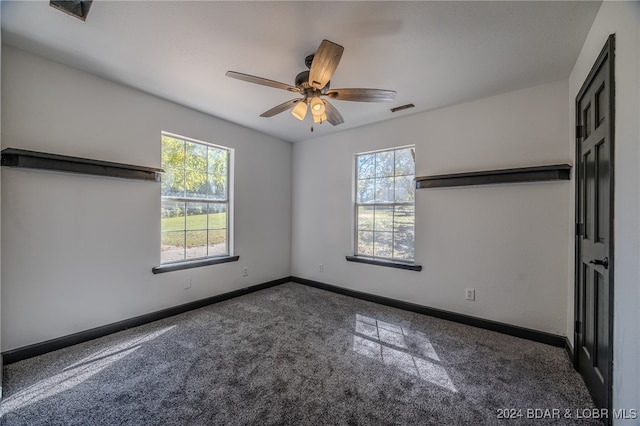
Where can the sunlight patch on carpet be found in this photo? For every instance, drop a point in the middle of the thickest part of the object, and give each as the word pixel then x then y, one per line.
pixel 76 373
pixel 411 352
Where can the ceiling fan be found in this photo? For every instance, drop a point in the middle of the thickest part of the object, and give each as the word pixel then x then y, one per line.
pixel 313 85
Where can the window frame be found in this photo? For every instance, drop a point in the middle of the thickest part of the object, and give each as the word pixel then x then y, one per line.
pixel 228 201
pixel 407 264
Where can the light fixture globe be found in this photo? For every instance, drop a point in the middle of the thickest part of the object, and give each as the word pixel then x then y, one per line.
pixel 319 119
pixel 300 110
pixel 317 106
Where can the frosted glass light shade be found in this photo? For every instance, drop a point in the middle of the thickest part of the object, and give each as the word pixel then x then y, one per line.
pixel 319 118
pixel 300 110
pixel 317 106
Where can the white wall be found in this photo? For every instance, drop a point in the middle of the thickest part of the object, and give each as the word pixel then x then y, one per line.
pixel 77 250
pixel 623 19
pixel 509 242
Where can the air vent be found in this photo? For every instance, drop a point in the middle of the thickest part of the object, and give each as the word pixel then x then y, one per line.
pixel 402 107
pixel 77 8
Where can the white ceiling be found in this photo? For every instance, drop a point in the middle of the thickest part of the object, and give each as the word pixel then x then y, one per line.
pixel 432 53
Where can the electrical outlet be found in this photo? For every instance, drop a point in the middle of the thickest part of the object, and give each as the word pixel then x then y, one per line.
pixel 470 294
pixel 321 268
pixel 245 271
pixel 187 283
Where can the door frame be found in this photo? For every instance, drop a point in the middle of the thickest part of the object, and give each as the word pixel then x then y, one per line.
pixel 607 53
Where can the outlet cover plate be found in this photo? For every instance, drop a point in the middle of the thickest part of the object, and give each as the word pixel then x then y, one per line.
pixel 470 294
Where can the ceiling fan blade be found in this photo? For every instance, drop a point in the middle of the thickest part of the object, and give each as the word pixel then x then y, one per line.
pixel 262 81
pixel 325 61
pixel 333 116
pixel 280 108
pixel 362 95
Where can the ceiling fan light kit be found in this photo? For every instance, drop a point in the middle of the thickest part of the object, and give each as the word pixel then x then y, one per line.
pixel 314 84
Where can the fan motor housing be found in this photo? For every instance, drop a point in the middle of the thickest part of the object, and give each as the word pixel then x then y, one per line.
pixel 308 61
pixel 302 81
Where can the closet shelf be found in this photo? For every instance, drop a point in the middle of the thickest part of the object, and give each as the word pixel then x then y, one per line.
pixel 489 177
pixel 21 158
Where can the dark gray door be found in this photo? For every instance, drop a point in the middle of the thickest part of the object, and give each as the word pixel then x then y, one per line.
pixel 594 236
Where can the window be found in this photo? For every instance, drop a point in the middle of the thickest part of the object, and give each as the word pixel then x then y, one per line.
pixel 196 207
pixel 384 208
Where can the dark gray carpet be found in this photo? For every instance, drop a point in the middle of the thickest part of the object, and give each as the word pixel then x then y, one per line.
pixel 295 355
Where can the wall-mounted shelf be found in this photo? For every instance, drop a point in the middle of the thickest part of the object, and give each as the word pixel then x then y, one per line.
pixel 488 177
pixel 12 157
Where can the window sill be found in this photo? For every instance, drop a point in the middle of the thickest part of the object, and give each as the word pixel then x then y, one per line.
pixel 387 263
pixel 169 267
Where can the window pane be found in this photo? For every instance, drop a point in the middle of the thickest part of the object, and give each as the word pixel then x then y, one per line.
pixel 384 163
pixel 217 242
pixel 366 166
pixel 217 216
pixel 382 244
pixel 172 153
pixel 365 218
pixel 196 184
pixel 217 164
pixel 365 243
pixel 196 156
pixel 384 190
pixel 366 190
pixel 171 246
pixel 383 218
pixel 173 182
pixel 405 165
pixel 172 215
pixel 196 216
pixel 404 189
pixel 403 218
pixel 217 187
pixel 196 244
pixel 403 245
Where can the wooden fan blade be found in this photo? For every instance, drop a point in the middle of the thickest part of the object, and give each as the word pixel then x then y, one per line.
pixel 280 108
pixel 333 116
pixel 362 95
pixel 325 62
pixel 262 81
